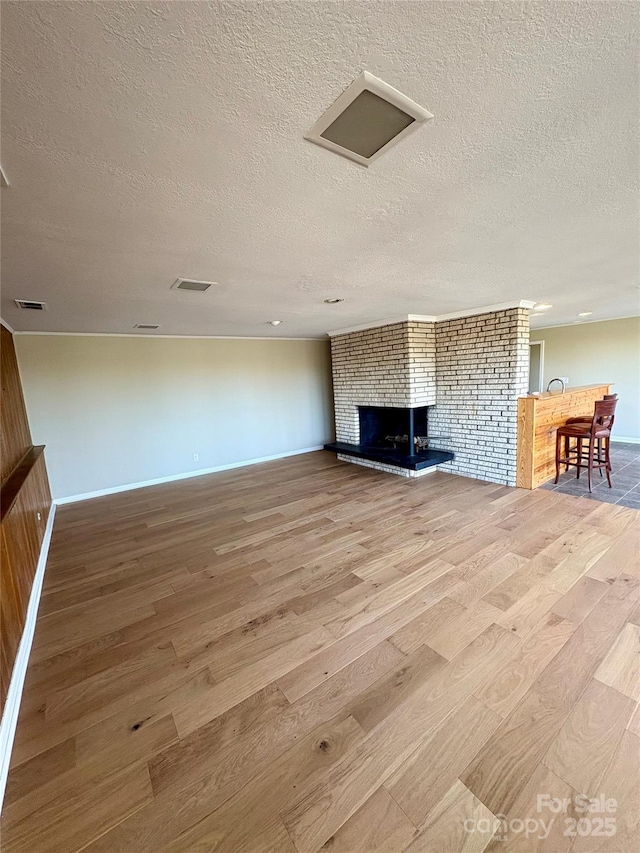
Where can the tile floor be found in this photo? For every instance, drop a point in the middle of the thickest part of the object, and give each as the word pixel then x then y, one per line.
pixel 625 479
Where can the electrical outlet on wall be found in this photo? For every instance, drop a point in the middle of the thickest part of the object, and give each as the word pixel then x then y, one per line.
pixel 196 458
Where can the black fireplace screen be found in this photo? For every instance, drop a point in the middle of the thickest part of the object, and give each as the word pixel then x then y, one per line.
pixel 390 427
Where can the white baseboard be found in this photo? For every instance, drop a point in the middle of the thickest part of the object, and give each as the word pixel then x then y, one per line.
pixel 621 439
pixel 14 694
pixel 186 476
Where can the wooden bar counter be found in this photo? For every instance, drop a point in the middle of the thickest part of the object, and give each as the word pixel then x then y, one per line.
pixel 538 419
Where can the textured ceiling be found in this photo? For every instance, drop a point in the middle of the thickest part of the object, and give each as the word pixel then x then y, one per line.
pixel 146 141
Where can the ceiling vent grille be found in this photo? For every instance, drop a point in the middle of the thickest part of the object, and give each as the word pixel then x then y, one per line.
pixel 145 326
pixel 192 284
pixel 368 119
pixel 31 305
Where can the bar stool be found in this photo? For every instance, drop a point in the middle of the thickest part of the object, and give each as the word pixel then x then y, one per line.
pixel 585 419
pixel 597 430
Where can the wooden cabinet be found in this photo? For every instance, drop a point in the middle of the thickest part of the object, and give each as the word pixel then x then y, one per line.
pixel 538 419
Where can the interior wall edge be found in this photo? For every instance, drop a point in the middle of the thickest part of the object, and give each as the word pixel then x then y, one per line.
pixel 119 411
pixel 129 487
pixel 14 694
pixel 598 352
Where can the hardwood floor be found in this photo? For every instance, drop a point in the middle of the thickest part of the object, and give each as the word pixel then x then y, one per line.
pixel 309 655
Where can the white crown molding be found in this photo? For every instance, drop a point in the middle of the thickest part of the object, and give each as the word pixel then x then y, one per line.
pixel 437 318
pixel 486 309
pixel 172 337
pixel 421 318
pixel 390 321
pixel 584 322
pixel 7 326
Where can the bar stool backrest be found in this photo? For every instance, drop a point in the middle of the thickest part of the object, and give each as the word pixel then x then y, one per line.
pixel 603 416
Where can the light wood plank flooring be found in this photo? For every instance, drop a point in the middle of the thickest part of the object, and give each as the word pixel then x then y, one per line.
pixel 308 655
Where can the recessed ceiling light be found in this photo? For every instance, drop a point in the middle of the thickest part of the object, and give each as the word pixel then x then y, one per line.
pixel 585 313
pixel 366 120
pixel 333 301
pixel 542 306
pixel 275 322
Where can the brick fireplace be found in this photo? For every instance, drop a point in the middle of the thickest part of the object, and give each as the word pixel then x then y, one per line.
pixel 463 376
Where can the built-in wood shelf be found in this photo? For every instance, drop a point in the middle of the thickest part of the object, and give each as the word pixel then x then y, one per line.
pixel 16 479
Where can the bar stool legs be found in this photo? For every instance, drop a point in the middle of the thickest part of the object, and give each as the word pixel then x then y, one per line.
pixel 594 455
pixel 595 434
pixel 607 460
pixel 579 465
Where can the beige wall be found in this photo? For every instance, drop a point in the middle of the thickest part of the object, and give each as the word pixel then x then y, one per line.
pixel 120 410
pixel 589 353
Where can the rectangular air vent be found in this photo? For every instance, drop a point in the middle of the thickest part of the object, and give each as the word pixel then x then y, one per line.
pixel 31 304
pixel 145 326
pixel 366 120
pixel 191 284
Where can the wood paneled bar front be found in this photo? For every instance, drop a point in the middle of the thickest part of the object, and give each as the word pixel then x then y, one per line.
pixel 538 419
pixel 25 506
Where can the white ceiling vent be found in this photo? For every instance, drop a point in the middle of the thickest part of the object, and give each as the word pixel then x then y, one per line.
pixel 368 119
pixel 31 305
pixel 145 326
pixel 191 284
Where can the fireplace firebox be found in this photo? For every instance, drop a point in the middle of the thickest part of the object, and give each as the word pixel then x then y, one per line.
pixel 391 427
pixel 394 436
